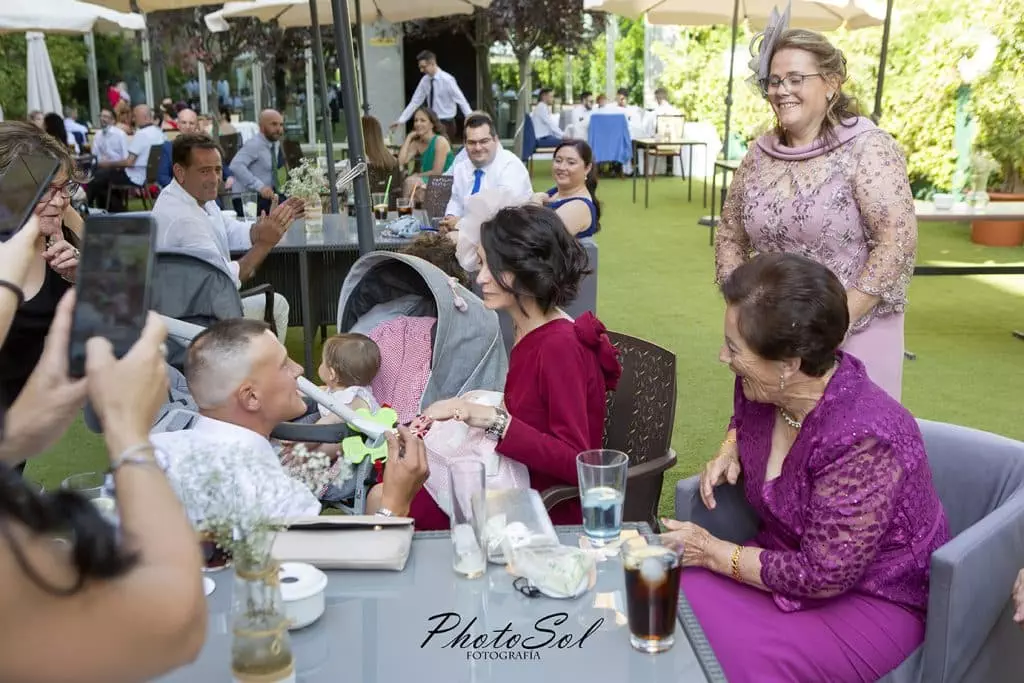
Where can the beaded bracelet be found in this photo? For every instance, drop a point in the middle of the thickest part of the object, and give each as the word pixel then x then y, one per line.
pixel 131 456
pixel 5 284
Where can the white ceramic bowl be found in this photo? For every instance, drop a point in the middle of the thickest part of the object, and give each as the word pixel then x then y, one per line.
pixel 943 202
pixel 302 588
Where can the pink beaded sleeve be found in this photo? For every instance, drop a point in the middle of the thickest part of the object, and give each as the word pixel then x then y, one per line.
pixel 732 244
pixel 851 504
pixel 883 195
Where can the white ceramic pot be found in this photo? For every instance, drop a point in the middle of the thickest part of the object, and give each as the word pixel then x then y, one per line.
pixel 302 588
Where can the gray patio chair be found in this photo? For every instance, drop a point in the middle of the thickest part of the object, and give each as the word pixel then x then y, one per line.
pixel 970 635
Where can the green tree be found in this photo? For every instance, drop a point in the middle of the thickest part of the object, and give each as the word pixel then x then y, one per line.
pixel 67 55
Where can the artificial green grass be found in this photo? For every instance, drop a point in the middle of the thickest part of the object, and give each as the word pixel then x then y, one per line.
pixel 656 281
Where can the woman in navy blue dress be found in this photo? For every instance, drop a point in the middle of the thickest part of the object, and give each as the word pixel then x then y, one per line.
pixel 574 196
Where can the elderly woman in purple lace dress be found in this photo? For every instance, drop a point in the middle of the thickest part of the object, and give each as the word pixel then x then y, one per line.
pixel 831 186
pixel 834 586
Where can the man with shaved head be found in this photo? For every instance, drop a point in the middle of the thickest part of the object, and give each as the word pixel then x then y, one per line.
pixel 132 169
pixel 244 383
pixel 255 164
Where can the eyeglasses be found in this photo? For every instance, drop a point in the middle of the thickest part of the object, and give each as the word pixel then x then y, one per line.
pixel 68 190
pixel 478 143
pixel 793 82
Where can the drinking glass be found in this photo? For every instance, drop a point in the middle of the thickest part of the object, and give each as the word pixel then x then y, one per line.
pixel 602 475
pixel 404 206
pixel 380 206
pixel 249 205
pixel 466 485
pixel 88 484
pixel 215 558
pixel 652 593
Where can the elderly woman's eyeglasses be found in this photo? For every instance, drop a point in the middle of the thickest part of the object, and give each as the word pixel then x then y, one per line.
pixel 793 82
pixel 67 190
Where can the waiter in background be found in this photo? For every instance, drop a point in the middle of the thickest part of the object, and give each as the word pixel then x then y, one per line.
pixel 439 91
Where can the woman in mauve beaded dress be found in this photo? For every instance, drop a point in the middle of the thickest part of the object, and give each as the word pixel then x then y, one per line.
pixel 834 586
pixel 831 186
pixel 560 369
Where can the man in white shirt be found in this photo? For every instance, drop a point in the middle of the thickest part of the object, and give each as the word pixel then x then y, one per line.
pixel 187 217
pixel 662 106
pixel 71 124
pixel 439 91
pixel 131 169
pixel 241 378
pixel 545 125
pixel 487 165
pixel 110 144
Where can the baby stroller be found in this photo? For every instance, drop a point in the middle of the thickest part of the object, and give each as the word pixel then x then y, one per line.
pixel 466 347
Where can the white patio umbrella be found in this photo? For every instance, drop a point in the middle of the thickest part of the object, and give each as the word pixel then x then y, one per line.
pixel 297 13
pixel 819 15
pixel 61 16
pixel 43 94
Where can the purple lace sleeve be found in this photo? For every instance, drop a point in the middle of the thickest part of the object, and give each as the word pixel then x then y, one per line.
pixel 849 511
pixel 887 209
pixel 732 244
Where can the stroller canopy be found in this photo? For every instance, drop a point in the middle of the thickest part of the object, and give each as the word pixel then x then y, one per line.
pixel 468 351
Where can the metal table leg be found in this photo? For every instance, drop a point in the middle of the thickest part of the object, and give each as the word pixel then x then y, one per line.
pixel 689 172
pixel 634 172
pixel 647 178
pixel 308 324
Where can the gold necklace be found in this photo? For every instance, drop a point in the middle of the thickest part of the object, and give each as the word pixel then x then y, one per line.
pixel 789 419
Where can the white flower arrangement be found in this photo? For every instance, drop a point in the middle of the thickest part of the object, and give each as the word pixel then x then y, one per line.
pixel 308 181
pixel 211 501
pixel 314 468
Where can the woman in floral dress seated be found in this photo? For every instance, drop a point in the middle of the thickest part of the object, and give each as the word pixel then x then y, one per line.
pixel 830 185
pixel 834 586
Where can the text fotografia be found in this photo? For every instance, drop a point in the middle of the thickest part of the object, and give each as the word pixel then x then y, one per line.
pixel 505 643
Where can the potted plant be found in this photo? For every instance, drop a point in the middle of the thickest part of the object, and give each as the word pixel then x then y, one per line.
pixel 999 106
pixel 308 182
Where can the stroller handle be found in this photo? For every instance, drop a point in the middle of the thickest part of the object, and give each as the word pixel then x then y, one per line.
pixel 184 333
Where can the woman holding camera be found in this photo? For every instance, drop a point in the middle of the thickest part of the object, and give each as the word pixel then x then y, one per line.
pixel 80 601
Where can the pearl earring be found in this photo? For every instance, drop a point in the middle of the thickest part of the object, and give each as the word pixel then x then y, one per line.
pixel 782 384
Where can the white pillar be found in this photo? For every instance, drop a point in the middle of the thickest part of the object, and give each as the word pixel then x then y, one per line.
pixel 568 79
pixel 648 65
pixel 147 67
pixel 310 97
pixel 204 89
pixel 257 88
pixel 94 81
pixel 611 34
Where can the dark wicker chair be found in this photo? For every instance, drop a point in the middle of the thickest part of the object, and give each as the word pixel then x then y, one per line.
pixel 638 421
pixel 230 145
pixel 143 192
pixel 437 195
pixel 378 178
pixel 292 152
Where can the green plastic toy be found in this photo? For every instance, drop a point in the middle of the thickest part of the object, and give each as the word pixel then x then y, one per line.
pixel 355 448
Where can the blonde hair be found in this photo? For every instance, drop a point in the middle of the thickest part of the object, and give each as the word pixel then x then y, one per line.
pixel 832 66
pixel 353 358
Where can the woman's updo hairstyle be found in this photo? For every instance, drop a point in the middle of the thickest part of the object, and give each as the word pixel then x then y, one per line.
pixel 790 307
pixel 832 66
pixel 531 244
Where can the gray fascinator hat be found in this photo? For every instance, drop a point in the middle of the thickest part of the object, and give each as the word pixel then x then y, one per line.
pixel 762 47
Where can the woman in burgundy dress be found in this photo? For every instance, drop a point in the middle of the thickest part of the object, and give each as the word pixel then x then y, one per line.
pixel 834 586
pixel 559 369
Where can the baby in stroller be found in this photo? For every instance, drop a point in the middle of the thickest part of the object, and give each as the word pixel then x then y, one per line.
pixel 349 364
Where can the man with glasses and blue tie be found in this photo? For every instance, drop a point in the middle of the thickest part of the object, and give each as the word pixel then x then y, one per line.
pixel 485 166
pixel 438 91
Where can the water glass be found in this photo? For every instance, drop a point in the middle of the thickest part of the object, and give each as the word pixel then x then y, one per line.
pixel 250 204
pixel 87 484
pixel 652 593
pixel 468 502
pixel 602 475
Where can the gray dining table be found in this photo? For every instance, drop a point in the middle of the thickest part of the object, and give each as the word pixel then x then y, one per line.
pixel 377 629
pixel 308 269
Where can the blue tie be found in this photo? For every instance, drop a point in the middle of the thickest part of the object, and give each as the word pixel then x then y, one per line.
pixel 478 176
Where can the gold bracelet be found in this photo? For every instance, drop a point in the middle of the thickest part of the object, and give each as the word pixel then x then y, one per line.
pixel 736 562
